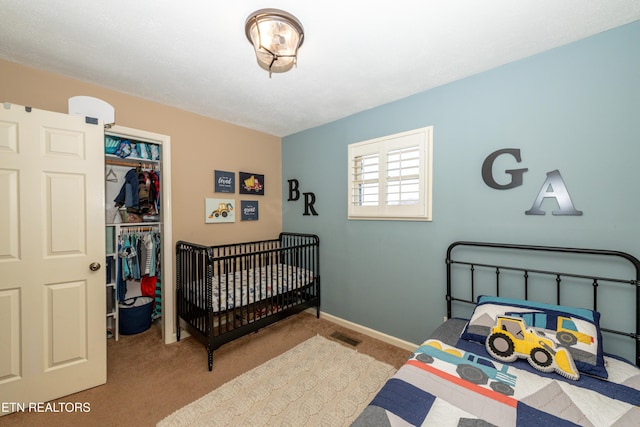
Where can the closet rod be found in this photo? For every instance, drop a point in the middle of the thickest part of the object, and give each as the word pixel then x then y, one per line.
pixel 131 164
pixel 135 228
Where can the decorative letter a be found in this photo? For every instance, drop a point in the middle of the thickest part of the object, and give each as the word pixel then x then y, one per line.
pixel 554 187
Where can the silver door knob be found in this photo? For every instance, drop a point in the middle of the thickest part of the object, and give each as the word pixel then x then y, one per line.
pixel 94 266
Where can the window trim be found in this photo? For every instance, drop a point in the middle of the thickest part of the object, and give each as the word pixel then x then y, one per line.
pixel 422 138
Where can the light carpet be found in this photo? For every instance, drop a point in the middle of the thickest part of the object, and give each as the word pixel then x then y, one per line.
pixel 317 383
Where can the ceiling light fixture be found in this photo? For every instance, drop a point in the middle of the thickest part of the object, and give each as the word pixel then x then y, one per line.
pixel 276 37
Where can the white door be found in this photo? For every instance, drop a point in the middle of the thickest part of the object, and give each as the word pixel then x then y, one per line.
pixel 52 305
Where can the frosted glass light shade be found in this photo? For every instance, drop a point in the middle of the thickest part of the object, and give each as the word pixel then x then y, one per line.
pixel 276 36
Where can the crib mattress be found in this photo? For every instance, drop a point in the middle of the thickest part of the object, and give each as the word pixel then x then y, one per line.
pixel 245 287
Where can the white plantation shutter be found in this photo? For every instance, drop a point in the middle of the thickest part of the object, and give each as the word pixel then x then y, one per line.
pixel 366 180
pixel 390 177
pixel 403 176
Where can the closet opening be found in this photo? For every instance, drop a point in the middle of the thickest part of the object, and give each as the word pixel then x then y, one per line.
pixel 138 232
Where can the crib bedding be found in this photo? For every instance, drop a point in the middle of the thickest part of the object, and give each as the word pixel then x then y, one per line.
pixel 244 287
pixel 429 390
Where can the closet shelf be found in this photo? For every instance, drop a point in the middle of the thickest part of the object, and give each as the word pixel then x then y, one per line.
pixel 112 160
pixel 132 224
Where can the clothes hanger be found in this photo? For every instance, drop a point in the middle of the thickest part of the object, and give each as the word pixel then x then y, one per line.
pixel 111 176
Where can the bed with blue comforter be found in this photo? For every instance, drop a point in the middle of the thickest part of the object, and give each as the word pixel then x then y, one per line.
pixel 466 372
pixel 428 390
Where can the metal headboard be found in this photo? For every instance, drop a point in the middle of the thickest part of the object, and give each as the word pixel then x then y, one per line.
pixel 557 277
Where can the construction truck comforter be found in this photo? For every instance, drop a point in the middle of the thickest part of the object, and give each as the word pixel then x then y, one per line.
pixel 462 385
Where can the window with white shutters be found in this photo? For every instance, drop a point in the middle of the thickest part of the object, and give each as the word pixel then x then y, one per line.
pixel 390 177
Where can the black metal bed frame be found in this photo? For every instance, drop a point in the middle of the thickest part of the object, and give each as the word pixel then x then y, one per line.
pixel 593 280
pixel 200 269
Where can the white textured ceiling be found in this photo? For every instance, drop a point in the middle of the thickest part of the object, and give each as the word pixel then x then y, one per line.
pixel 356 55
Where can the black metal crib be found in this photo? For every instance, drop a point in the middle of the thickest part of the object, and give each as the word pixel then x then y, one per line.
pixel 227 291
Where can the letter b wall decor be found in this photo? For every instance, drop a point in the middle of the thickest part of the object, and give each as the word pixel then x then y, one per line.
pixel 309 198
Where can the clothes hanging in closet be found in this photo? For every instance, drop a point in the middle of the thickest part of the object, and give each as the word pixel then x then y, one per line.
pixel 140 192
pixel 139 258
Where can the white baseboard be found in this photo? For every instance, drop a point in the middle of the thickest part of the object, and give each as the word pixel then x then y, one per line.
pixel 405 345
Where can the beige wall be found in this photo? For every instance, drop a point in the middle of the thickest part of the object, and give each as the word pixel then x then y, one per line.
pixel 199 145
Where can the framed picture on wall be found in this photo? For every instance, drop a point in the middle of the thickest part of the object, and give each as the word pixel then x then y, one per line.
pixel 224 182
pixel 251 183
pixel 248 210
pixel 219 210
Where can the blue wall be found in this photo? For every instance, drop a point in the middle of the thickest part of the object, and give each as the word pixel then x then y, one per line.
pixel 575 109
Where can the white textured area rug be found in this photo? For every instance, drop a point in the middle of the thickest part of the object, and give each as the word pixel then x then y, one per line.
pixel 317 383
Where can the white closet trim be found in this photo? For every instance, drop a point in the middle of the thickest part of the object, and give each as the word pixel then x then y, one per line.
pixel 168 287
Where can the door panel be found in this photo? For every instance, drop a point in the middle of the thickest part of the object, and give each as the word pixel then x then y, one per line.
pixel 52 306
pixel 9 223
pixel 64 220
pixel 9 334
pixel 65 324
pixel 63 143
pixel 9 137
